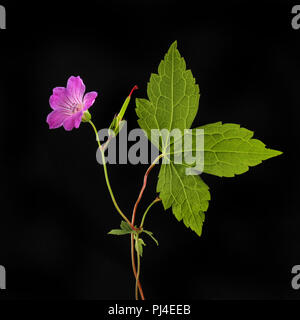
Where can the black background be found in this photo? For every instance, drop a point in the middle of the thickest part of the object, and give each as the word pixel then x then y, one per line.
pixel 55 208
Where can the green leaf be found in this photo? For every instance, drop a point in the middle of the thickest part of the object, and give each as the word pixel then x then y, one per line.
pixel 118 232
pixel 173 99
pixel 149 233
pixel 125 229
pixel 125 226
pixel 229 149
pixel 173 104
pixel 139 243
pixel 188 195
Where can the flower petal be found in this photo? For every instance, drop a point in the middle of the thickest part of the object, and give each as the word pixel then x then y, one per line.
pixel 59 91
pixel 56 118
pixel 60 100
pixel 76 89
pixel 73 121
pixel 89 99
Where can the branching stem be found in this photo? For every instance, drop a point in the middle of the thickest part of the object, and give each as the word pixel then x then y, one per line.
pixel 138 287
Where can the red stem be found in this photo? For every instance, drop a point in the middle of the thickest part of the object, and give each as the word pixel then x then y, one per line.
pixel 133 219
pixel 134 268
pixel 141 192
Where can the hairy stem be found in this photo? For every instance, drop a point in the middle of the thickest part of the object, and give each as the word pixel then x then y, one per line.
pixel 143 187
pixel 157 199
pixel 134 268
pixel 107 180
pixel 137 274
pixel 133 219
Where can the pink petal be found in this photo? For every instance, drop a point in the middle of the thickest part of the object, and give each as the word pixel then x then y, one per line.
pixel 54 99
pixel 73 121
pixel 59 91
pixel 76 89
pixel 56 118
pixel 89 99
pixel 60 100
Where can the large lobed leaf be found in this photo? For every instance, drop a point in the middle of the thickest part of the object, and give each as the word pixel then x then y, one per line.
pixel 228 149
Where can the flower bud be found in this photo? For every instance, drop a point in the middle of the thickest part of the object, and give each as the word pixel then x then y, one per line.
pixel 86 116
pixel 117 121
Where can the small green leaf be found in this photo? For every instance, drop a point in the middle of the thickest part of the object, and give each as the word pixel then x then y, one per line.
pixel 125 229
pixel 125 226
pixel 118 232
pixel 151 235
pixel 139 243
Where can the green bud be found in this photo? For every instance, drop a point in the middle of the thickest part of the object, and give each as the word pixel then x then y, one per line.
pixel 86 116
pixel 117 122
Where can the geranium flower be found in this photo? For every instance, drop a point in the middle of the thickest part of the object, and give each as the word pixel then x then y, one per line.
pixel 69 104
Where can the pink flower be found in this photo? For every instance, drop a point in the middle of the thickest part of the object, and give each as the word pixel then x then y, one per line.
pixel 69 104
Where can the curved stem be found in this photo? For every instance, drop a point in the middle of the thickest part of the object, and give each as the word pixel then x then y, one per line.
pixel 107 180
pixel 157 199
pixel 143 187
pixel 138 274
pixel 133 219
pixel 138 286
pixel 134 268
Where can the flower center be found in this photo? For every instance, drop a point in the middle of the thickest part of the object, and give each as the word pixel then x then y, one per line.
pixel 77 108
